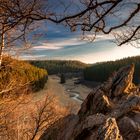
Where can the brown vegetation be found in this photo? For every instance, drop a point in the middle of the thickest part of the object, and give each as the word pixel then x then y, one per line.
pixel 21 116
pixel 26 119
pixel 17 77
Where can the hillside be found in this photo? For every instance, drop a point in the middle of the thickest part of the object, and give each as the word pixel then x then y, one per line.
pixel 25 110
pixel 101 71
pixel 60 66
pixel 17 75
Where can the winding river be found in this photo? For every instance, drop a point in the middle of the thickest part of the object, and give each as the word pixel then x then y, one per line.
pixel 74 95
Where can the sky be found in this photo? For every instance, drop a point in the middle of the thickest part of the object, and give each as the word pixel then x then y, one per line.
pixel 58 42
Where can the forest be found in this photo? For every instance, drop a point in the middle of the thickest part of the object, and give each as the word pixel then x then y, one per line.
pixel 101 71
pixel 98 72
pixel 60 66
pixel 23 74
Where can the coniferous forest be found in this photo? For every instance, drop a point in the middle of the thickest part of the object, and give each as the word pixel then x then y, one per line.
pixel 60 66
pixel 98 72
pixel 101 71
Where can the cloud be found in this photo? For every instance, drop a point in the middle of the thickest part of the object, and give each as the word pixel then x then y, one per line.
pixel 46 47
pixel 32 57
pixel 64 42
pixel 99 37
pixel 58 44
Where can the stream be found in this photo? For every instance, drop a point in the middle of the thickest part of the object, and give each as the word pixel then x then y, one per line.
pixel 74 95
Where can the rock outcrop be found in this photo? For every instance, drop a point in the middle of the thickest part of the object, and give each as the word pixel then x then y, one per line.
pixel 110 112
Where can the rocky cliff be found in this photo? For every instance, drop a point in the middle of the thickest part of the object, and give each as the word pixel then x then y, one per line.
pixel 110 112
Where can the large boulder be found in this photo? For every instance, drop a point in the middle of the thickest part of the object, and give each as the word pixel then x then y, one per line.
pixel 110 112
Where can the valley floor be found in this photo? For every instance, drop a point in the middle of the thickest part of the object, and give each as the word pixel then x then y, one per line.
pixel 69 94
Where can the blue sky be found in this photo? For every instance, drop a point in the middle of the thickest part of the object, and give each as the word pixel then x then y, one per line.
pixel 58 42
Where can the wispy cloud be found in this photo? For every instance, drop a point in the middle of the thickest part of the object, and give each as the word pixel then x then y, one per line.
pixel 99 37
pixel 58 44
pixel 32 57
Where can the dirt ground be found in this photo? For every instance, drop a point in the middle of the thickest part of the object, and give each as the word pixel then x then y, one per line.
pixel 64 92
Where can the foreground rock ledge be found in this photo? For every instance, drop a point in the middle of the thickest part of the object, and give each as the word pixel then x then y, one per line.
pixel 110 112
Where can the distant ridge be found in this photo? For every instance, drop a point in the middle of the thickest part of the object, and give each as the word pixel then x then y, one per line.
pixel 59 66
pixel 101 71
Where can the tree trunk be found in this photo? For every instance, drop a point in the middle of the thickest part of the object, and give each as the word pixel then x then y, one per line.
pixel 1 45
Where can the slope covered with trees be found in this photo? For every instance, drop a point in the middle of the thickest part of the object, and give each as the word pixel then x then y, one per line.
pixel 60 66
pixel 24 115
pixel 101 71
pixel 16 75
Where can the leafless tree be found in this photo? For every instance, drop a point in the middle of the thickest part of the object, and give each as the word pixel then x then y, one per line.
pixel 23 119
pixel 106 16
pixel 90 16
pixel 16 16
pixel 47 112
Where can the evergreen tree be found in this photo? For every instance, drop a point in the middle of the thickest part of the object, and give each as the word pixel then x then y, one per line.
pixel 62 78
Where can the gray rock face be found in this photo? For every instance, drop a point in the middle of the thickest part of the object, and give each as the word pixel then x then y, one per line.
pixel 110 112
